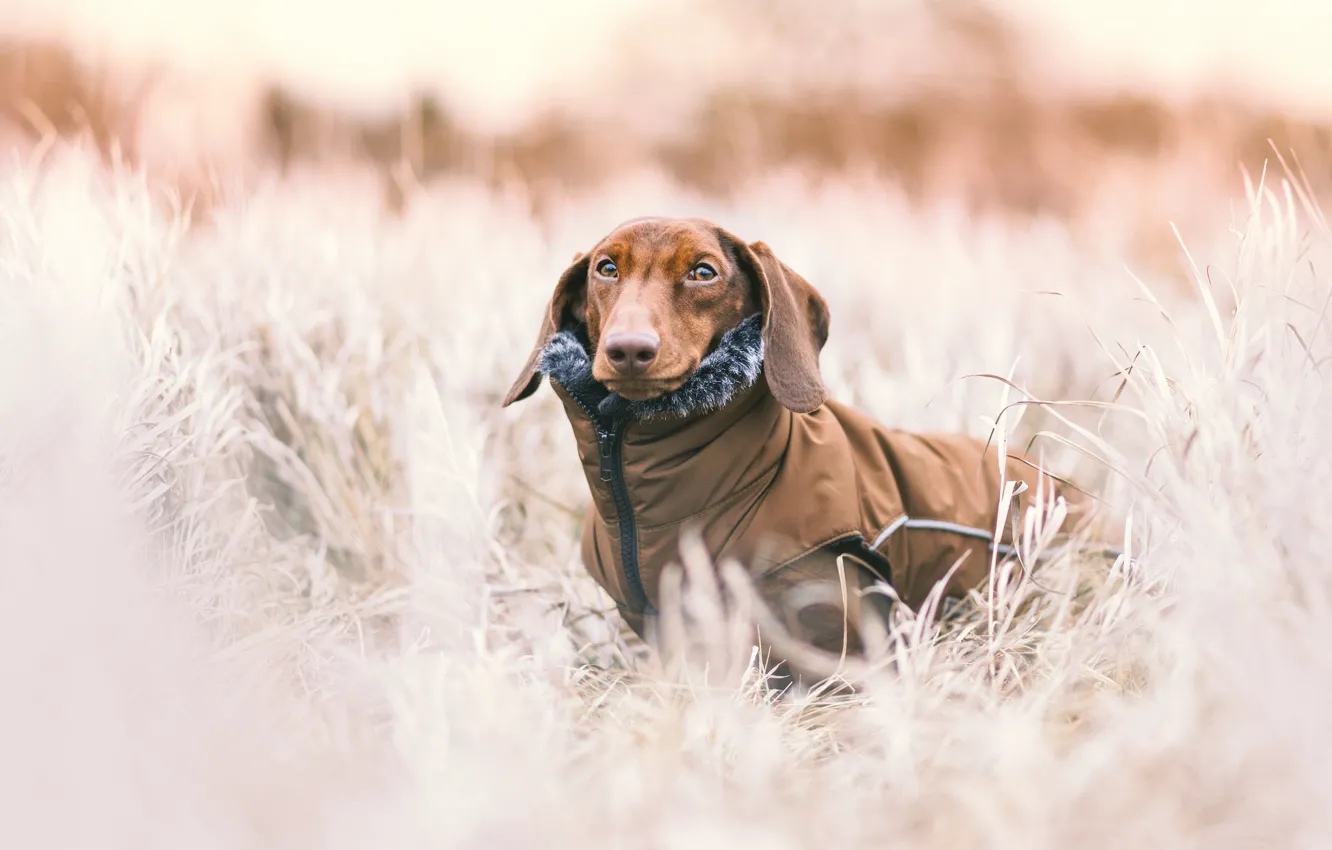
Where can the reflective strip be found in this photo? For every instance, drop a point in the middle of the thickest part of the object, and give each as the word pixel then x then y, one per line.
pixel 890 530
pixel 905 521
pixel 941 525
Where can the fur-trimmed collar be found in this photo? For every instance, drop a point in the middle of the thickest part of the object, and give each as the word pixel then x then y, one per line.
pixel 729 370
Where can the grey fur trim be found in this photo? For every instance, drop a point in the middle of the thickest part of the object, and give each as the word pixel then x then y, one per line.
pixel 731 369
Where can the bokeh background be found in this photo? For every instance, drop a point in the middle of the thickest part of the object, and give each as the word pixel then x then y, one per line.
pixel 1127 110
pixel 276 571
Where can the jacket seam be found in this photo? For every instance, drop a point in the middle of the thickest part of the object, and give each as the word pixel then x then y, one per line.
pixel 836 536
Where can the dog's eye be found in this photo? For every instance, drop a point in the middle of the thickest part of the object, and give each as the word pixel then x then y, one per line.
pixel 703 272
pixel 606 268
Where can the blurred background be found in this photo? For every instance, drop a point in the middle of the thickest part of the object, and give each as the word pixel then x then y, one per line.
pixel 385 634
pixel 1103 114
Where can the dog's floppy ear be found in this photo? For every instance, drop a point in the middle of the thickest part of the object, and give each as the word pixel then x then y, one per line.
pixel 795 329
pixel 570 294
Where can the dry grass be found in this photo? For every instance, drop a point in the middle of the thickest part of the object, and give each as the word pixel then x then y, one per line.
pixel 980 123
pixel 45 92
pixel 279 573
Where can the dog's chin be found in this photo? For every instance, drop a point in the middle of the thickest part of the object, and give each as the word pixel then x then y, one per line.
pixel 645 389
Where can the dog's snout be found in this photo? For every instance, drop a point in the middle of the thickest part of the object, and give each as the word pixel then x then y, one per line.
pixel 629 351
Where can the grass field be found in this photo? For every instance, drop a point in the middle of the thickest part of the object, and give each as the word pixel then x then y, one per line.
pixel 278 572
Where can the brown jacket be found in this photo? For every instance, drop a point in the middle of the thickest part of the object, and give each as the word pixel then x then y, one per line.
pixel 783 493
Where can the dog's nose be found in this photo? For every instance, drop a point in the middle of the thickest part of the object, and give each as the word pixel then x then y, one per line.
pixel 629 351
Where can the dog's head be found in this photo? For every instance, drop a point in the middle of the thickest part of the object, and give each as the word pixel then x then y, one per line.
pixel 656 295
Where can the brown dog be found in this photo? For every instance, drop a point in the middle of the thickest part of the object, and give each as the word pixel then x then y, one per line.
pixel 688 363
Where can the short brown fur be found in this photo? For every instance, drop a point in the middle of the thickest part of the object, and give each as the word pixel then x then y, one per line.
pixel 653 257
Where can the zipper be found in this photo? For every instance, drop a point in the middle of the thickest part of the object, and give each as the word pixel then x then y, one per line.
pixel 610 443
